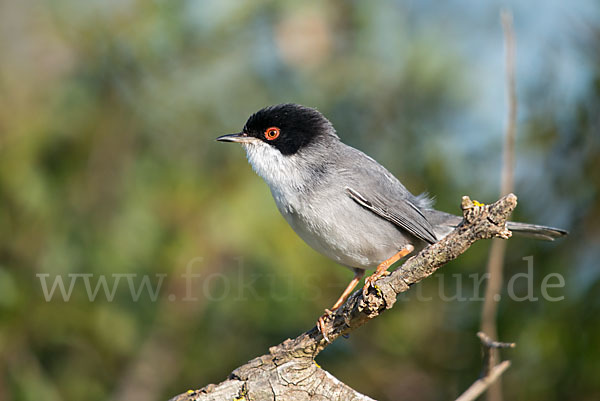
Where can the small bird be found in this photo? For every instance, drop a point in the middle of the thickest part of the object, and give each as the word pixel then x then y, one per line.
pixel 340 201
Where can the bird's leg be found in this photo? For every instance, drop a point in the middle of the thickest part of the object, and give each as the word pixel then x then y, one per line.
pixel 358 274
pixel 383 266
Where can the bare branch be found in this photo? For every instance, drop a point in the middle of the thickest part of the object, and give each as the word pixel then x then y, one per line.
pixel 490 372
pixel 511 89
pixel 482 384
pixel 498 248
pixel 487 345
pixel 288 371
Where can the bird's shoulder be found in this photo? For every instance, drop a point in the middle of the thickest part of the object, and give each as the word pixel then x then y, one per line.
pixel 364 172
pixel 370 184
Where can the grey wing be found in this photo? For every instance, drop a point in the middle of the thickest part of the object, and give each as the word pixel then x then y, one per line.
pixel 409 218
pixel 373 187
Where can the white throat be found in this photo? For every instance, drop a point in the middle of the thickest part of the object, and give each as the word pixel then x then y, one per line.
pixel 280 172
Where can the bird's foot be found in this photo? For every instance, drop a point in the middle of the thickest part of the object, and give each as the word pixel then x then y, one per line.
pixel 370 281
pixel 321 323
pixel 381 270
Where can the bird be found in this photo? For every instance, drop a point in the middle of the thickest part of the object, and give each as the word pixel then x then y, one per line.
pixel 340 201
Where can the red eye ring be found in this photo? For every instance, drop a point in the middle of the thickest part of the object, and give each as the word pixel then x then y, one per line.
pixel 272 133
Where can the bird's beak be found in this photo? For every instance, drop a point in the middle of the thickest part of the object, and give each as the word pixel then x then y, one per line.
pixel 240 137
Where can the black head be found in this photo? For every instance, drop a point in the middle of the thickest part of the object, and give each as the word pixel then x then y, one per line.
pixel 287 127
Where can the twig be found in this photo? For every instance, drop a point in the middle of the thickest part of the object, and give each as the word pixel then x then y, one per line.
pixel 487 345
pixel 511 127
pixel 288 370
pixel 490 372
pixel 498 248
pixel 479 386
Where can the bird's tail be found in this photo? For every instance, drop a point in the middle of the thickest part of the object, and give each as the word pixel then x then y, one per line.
pixel 443 223
pixel 536 231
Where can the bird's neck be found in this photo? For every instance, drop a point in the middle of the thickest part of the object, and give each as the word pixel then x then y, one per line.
pixel 288 173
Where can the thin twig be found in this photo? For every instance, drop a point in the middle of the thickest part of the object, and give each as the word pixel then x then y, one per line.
pixel 490 372
pixel 487 345
pixel 511 128
pixel 479 386
pixel 497 251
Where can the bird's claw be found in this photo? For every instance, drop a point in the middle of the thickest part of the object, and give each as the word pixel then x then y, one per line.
pixel 370 281
pixel 321 324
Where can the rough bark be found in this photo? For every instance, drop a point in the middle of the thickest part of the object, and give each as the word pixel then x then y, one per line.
pixel 288 371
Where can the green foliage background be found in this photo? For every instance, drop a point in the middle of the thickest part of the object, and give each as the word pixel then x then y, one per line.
pixel 108 165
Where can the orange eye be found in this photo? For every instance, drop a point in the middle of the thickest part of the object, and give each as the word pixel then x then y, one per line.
pixel 272 133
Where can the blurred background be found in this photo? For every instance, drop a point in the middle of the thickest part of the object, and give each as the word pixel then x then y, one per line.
pixel 109 171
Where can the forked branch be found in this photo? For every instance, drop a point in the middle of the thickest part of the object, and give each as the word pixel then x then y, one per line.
pixel 490 371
